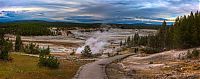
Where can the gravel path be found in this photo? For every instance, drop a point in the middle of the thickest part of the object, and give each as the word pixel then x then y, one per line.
pixel 96 70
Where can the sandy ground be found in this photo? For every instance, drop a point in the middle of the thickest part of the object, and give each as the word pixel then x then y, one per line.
pixel 165 65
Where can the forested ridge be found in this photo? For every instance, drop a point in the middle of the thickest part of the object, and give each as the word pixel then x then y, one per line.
pixel 26 28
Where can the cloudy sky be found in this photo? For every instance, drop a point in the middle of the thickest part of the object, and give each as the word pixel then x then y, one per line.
pixel 101 11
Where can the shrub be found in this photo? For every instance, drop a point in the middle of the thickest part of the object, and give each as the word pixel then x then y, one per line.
pixel 49 61
pixel 45 59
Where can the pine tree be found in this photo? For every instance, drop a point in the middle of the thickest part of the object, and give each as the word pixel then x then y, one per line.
pixel 125 42
pixel 87 52
pixel 195 29
pixel 176 33
pixel 136 39
pixel 121 43
pixel 4 54
pixel 18 43
pixel 128 41
pixel 162 35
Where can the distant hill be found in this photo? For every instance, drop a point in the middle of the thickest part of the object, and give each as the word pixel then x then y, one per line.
pixel 81 25
pixel 38 27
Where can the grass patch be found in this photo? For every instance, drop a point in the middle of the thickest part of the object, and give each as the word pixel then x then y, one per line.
pixel 25 67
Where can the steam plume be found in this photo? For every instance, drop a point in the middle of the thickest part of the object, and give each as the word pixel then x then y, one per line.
pixel 97 42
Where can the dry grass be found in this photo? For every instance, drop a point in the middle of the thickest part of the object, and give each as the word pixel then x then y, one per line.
pixel 25 67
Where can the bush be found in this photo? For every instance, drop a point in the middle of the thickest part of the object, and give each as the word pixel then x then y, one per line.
pixel 49 61
pixel 45 59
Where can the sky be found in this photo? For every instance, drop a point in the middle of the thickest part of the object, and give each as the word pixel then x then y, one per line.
pixel 97 11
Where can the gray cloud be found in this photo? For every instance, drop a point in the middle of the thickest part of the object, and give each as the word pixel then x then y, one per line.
pixel 99 10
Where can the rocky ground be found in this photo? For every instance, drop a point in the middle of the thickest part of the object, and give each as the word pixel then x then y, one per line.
pixel 165 65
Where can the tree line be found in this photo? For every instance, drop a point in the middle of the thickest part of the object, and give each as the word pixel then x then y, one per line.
pixel 38 28
pixel 27 29
pixel 183 34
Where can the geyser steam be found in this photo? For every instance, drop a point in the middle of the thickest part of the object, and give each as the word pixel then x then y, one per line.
pixel 97 42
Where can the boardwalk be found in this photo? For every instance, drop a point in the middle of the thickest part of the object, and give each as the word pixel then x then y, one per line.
pixel 96 70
